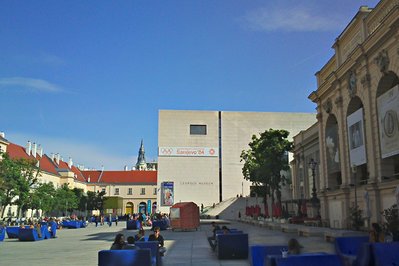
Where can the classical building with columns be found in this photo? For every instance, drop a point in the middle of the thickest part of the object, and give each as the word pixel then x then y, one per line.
pixel 357 97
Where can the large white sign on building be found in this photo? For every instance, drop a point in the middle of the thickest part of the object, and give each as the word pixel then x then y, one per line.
pixel 388 112
pixel 188 151
pixel 357 147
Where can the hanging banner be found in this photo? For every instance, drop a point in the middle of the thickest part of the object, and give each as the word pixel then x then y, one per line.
pixel 332 146
pixel 188 152
pixel 357 147
pixel 167 193
pixel 149 206
pixel 388 113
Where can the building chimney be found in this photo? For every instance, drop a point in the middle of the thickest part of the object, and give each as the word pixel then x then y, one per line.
pixel 125 167
pixel 70 162
pixel 2 134
pixel 34 149
pixel 88 179
pixel 40 150
pixel 52 156
pixel 28 147
pixel 57 158
pixel 102 168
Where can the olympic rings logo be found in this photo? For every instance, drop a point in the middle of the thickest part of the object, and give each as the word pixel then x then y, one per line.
pixel 166 151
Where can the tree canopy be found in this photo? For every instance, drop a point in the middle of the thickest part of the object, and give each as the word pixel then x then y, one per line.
pixel 265 161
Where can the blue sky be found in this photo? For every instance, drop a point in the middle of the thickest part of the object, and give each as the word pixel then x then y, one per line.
pixel 86 79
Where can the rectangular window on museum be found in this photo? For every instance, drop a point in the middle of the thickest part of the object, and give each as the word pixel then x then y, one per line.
pixel 103 189
pixel 155 190
pixel 130 191
pixel 116 191
pixel 197 129
pixel 142 191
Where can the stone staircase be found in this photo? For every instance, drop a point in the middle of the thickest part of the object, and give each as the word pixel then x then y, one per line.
pixel 229 208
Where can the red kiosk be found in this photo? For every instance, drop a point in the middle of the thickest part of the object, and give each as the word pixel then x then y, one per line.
pixel 184 216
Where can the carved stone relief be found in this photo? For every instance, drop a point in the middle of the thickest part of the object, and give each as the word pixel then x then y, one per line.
pixel 328 106
pixel 382 61
pixel 352 83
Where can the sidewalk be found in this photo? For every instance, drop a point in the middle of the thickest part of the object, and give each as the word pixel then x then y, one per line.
pixel 81 246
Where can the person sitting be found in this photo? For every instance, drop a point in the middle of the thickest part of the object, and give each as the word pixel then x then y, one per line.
pixel 225 230
pixel 294 248
pixel 130 243
pixel 140 235
pixel 376 234
pixel 212 239
pixel 119 242
pixel 156 236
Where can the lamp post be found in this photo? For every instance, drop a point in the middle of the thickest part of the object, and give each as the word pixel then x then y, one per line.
pixel 315 201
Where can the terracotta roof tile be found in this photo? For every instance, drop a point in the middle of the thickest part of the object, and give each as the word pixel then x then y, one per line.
pixel 15 151
pixel 122 176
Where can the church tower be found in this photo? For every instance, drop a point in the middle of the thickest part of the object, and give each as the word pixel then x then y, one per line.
pixel 141 165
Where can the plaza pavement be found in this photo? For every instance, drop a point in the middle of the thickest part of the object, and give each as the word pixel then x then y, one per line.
pixel 81 246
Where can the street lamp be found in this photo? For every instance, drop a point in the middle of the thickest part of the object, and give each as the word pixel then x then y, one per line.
pixel 315 201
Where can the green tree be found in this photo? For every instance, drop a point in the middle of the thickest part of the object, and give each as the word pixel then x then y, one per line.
pixel 65 199
pixel 265 161
pixel 18 176
pixel 95 200
pixel 43 197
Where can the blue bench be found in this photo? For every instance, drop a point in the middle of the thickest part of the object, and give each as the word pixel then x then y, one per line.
pixel 153 246
pixel 73 224
pixel 12 231
pixel 30 234
pixel 133 224
pixel 347 248
pixel 159 223
pixel 2 233
pixel 232 246
pixel 130 257
pixel 310 260
pixel 259 253
pixel 53 229
pixel 385 253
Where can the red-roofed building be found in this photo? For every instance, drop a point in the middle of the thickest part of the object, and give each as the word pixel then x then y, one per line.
pixel 131 191
pixel 126 191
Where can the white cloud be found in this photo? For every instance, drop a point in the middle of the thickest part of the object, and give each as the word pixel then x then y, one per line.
pixel 86 154
pixel 288 19
pixel 29 83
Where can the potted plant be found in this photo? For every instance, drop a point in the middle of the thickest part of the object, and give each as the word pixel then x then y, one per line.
pixel 391 224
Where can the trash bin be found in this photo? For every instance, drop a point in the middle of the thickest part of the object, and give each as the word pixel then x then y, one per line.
pixel 184 216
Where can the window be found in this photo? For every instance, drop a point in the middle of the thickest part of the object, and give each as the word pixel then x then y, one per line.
pixel 116 191
pixel 142 191
pixel 155 190
pixel 103 189
pixel 130 191
pixel 197 129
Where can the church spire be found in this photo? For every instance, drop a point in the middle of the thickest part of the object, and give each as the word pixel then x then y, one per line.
pixel 141 163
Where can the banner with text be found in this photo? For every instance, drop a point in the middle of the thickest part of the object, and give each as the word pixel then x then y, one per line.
pixel 188 152
pixel 388 113
pixel 357 147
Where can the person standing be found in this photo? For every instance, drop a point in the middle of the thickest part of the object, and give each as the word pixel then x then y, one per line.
pixel 212 239
pixel 156 236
